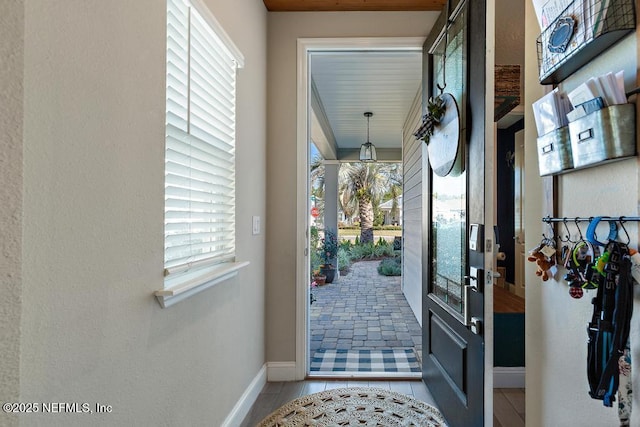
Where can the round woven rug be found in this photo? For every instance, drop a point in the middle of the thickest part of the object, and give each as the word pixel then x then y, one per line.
pixel 355 406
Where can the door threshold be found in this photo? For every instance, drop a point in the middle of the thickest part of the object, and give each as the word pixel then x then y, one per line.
pixel 371 376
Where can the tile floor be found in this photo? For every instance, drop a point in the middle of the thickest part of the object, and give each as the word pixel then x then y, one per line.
pixel 509 407
pixel 277 394
pixel 364 310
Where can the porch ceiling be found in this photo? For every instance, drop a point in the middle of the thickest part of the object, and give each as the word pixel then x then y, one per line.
pixel 352 5
pixel 346 85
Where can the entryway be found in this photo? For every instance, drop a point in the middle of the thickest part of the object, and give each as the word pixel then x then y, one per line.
pixel 365 316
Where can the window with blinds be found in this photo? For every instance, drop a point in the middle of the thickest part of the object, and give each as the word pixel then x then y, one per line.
pixel 200 140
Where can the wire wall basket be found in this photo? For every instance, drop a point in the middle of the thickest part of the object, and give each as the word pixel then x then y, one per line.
pixel 580 32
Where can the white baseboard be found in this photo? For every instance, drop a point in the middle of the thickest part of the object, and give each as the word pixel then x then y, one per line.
pixel 507 377
pixel 281 371
pixel 246 401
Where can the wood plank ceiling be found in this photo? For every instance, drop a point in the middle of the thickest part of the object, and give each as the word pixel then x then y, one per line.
pixel 353 5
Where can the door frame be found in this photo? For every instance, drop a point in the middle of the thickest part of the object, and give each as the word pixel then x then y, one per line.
pixel 305 46
pixel 490 202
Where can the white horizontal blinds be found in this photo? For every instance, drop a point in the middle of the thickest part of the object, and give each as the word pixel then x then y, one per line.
pixel 200 143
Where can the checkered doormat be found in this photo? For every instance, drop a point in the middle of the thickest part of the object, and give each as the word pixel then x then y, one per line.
pixel 386 360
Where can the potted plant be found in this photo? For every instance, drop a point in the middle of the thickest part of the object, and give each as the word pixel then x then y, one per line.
pixel 328 253
pixel 318 278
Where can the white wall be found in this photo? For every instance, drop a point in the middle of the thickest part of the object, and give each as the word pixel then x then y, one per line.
pixel 556 323
pixel 284 30
pixel 509 31
pixel 11 91
pixel 92 220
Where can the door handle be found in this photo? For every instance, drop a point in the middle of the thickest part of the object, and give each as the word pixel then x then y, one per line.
pixel 472 283
pixel 466 311
pixel 473 279
pixel 473 323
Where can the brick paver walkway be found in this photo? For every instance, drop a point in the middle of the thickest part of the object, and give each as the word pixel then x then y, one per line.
pixel 363 310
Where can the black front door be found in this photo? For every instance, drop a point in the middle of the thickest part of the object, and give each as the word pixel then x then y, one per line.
pixel 453 309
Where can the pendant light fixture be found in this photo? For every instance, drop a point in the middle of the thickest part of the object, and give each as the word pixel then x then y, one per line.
pixel 368 150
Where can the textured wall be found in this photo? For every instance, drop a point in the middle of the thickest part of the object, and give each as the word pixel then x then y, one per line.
pixel 11 67
pixel 284 30
pixel 556 323
pixel 94 96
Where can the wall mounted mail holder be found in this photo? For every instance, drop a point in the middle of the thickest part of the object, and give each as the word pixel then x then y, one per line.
pixel 603 136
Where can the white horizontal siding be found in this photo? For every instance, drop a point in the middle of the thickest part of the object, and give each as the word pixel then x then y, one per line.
pixel 412 211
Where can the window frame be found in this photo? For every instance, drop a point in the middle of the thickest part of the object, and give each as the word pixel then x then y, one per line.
pixel 186 276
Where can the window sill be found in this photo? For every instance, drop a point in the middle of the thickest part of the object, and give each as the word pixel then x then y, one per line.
pixel 192 282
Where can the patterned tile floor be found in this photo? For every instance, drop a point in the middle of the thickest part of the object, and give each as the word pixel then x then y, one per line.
pixel 363 310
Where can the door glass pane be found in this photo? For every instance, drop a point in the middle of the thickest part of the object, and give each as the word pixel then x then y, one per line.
pixel 449 193
pixel 448 239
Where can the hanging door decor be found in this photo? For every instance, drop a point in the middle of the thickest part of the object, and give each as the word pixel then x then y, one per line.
pixel 441 126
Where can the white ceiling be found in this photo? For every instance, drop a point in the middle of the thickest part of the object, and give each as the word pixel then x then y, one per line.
pixel 345 85
pixel 350 83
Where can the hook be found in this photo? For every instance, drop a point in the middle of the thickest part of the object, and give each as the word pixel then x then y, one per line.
pixel 568 236
pixel 579 231
pixel 621 220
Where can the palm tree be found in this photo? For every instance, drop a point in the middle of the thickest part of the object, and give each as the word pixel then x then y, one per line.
pixel 366 182
pixel 347 201
pixel 361 186
pixel 316 178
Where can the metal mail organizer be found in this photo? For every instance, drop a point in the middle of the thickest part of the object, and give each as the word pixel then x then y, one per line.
pixel 554 152
pixel 606 134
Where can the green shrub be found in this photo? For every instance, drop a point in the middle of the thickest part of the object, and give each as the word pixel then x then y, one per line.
pixel 344 259
pixel 314 261
pixel 346 245
pixel 362 251
pixel 388 227
pixel 375 227
pixel 378 219
pixel 390 267
pixel 380 251
pixel 314 235
pixel 314 238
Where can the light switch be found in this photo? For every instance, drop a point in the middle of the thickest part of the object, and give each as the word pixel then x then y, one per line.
pixel 256 225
